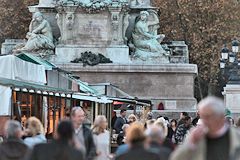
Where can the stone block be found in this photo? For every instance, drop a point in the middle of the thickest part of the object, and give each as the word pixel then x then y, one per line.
pixel 9 44
pixel 155 82
pixel 65 54
pixel 232 97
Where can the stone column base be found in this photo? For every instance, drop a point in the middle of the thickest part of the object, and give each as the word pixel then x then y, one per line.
pixel 232 97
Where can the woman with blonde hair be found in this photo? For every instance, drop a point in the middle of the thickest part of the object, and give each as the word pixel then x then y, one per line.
pixel 35 132
pixel 101 138
pixel 132 118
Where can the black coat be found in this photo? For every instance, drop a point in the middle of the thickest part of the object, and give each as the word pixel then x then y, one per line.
pixel 119 123
pixel 56 150
pixel 138 153
pixel 89 143
pixel 163 152
pixel 13 149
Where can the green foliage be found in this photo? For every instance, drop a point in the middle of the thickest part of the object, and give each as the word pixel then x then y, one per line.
pixel 205 25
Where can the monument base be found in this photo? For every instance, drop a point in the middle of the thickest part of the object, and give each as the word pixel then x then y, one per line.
pixel 169 84
pixel 232 97
pixel 67 53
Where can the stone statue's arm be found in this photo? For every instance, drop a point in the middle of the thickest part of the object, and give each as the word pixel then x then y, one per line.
pixel 140 29
pixel 31 25
pixel 40 27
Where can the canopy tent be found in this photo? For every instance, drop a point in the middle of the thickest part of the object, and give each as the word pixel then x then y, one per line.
pixel 130 101
pixel 36 60
pixel 12 67
pixel 8 85
pixel 84 87
pixel 92 98
pixel 5 99
pixel 110 90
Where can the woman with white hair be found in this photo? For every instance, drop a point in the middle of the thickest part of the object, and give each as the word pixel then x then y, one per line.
pixel 101 137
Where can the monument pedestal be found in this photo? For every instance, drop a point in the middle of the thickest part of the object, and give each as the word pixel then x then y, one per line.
pixel 67 53
pixel 232 97
pixel 171 84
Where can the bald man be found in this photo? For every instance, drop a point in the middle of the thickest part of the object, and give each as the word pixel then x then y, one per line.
pixel 213 139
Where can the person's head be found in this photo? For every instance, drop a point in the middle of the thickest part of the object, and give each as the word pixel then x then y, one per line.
pixel 77 116
pixel 100 124
pixel 238 122
pixel 132 118
pixel 173 123
pixel 149 115
pixel 38 16
pixel 155 134
pixel 123 112
pixel 34 127
pixel 187 121
pixel 162 126
pixel 212 110
pixel 125 127
pixel 229 120
pixel 183 115
pixel 65 130
pixel 135 134
pixel 13 129
pixel 144 15
pixel 149 123
pixel 114 114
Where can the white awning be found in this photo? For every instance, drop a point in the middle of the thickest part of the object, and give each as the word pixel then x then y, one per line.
pixel 92 98
pixel 5 99
pixel 12 67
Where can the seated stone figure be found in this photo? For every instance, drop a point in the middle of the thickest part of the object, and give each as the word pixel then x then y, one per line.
pixel 39 35
pixel 147 43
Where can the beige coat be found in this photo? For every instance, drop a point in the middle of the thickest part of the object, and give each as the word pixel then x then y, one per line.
pixel 185 152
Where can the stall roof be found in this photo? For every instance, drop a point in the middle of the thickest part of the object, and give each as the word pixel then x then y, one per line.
pixel 32 86
pixel 131 101
pixel 92 98
pixel 37 60
pixel 84 87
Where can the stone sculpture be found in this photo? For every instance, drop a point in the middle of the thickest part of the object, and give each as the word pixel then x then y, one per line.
pixel 39 36
pixel 137 3
pixel 91 59
pixel 146 41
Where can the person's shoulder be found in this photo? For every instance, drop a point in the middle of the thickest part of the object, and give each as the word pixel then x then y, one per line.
pixel 42 146
pixel 76 153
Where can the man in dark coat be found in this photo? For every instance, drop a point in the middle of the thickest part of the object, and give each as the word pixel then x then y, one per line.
pixel 120 121
pixel 83 133
pixel 63 148
pixel 13 148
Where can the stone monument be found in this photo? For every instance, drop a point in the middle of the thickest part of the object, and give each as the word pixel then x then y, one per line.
pixel 40 38
pixel 123 32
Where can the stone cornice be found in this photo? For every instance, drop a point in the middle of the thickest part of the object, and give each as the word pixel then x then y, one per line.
pixel 140 68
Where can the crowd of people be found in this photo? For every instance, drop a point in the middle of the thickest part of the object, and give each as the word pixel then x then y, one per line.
pixel 210 135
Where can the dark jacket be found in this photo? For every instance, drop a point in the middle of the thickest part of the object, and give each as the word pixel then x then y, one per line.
pixel 120 138
pixel 163 152
pixel 181 133
pixel 13 149
pixel 56 150
pixel 137 152
pixel 89 143
pixel 119 123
